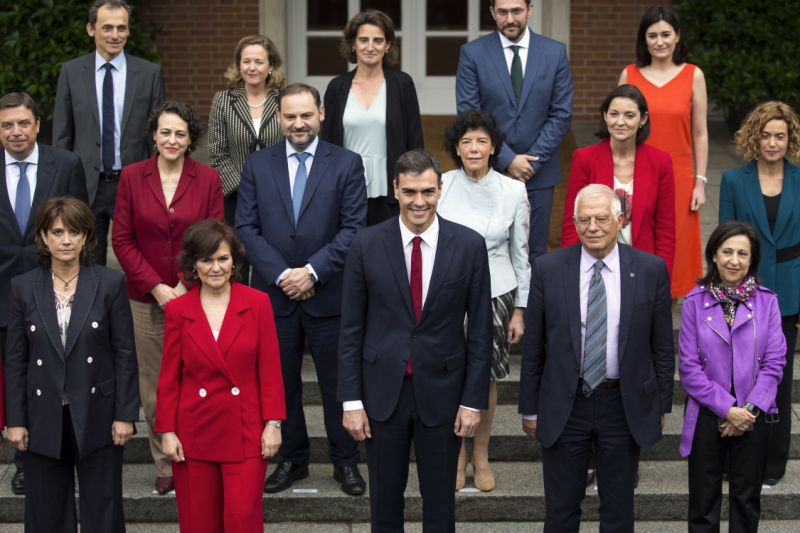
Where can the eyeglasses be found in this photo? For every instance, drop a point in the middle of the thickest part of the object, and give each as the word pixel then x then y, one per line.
pixel 503 13
pixel 600 220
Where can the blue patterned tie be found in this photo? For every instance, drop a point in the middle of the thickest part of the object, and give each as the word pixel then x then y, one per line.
pixel 300 180
pixel 107 150
pixel 22 203
pixel 594 344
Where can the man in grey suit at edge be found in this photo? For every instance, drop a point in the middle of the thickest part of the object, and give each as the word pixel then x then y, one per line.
pixel 102 103
pixel 523 80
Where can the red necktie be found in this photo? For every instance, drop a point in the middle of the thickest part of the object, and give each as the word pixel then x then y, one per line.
pixel 416 287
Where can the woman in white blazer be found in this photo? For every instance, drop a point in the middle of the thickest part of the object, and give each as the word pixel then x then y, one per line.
pixel 477 196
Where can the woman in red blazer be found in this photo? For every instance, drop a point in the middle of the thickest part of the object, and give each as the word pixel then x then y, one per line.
pixel 220 392
pixel 157 199
pixel 640 175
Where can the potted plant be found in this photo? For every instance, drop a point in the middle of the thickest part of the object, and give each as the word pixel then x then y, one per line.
pixel 747 49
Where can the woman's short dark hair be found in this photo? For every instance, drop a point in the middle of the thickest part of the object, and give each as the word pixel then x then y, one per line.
pixel 722 233
pixel 185 113
pixel 652 16
pixel 376 18
pixel 630 92
pixel 202 239
pixel 471 120
pixel 75 215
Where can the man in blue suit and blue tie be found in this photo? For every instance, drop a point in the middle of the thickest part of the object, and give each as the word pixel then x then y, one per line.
pixel 300 204
pixel 523 79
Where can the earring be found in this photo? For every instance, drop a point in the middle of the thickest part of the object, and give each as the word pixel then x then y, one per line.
pixel 233 269
pixel 194 272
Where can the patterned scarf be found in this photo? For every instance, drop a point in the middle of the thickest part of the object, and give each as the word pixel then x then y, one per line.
pixel 731 297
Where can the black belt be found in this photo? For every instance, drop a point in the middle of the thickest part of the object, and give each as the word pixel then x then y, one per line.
pixel 787 254
pixel 605 384
pixel 109 176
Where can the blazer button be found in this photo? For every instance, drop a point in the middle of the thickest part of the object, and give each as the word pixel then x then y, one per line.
pixel 749 315
pixel 202 393
pixel 171 209
pixel 38 392
pixel 38 362
pixel 33 328
pixel 709 319
pixel 706 304
pixel 235 391
pixel 89 360
pixel 94 325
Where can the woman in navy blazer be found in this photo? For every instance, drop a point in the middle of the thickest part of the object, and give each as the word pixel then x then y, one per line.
pixel 622 161
pixel 157 199
pixel 220 392
pixel 370 43
pixel 765 193
pixel 71 392
pixel 731 356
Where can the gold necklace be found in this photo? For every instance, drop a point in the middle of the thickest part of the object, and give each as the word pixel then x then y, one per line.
pixel 66 283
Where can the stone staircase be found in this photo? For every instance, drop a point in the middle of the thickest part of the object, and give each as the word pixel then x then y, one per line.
pixel 317 504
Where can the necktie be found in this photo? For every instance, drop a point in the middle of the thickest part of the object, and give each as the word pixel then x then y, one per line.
pixel 107 150
pixel 416 286
pixel 594 346
pixel 300 179
pixel 516 72
pixel 22 203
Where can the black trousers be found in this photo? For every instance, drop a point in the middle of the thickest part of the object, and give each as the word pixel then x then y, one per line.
pixel 780 432
pixel 596 423
pixel 322 335
pixel 388 455
pixel 541 201
pixel 229 205
pixel 50 488
pixel 103 209
pixel 745 456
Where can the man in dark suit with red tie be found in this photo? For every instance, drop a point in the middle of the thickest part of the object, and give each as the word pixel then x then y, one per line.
pixel 407 369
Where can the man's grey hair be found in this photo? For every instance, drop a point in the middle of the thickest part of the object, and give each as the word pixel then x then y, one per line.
pixel 596 189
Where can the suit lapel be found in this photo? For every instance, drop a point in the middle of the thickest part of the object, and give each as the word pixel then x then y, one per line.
pixel 393 243
pixel 45 178
pixel 43 296
pixel 200 331
pixel 532 67
pixel 85 293
pixel 318 169
pixel 642 188
pixel 153 180
pixel 240 107
pixel 752 191
pixel 90 87
pixel 571 278
pixel 7 210
pixel 627 288
pixel 131 82
pixel 497 58
pixel 789 198
pixel 279 170
pixel 184 182
pixel 232 323
pixel 441 265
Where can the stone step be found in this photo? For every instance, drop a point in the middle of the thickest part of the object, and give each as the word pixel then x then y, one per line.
pixel 508 442
pixel 765 526
pixel 662 496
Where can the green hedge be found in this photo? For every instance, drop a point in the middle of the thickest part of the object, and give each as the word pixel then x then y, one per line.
pixel 39 35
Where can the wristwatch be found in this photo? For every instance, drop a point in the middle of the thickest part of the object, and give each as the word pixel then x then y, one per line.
pixel 752 409
pixel 274 423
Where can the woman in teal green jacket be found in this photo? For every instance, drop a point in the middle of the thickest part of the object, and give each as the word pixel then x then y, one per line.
pixel 765 193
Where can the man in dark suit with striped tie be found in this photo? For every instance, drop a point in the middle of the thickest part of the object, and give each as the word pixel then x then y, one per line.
pixel 597 364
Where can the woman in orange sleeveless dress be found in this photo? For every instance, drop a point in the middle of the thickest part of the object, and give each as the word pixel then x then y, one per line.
pixel 676 96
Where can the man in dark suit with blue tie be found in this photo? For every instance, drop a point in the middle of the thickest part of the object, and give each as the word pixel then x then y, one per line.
pixel 32 173
pixel 300 204
pixel 408 371
pixel 103 100
pixel 597 364
pixel 523 79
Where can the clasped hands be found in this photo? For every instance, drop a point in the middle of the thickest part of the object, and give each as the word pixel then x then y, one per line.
pixel 521 168
pixel 297 284
pixel 737 421
pixel 163 293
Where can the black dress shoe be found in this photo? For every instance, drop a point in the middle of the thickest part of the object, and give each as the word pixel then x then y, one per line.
pixel 18 483
pixel 636 479
pixel 284 475
pixel 771 481
pixel 351 480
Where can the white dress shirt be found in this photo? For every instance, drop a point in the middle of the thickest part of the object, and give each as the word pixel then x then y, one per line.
pixel 13 171
pixel 119 74
pixel 524 44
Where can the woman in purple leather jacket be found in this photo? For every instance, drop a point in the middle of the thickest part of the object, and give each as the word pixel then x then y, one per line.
pixel 731 361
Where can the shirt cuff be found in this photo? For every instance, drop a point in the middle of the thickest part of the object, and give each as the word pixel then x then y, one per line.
pixel 312 271
pixel 470 409
pixel 280 277
pixel 530 417
pixel 353 405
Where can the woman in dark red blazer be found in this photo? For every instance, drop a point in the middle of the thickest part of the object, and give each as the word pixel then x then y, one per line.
pixel 157 199
pixel 640 175
pixel 220 393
